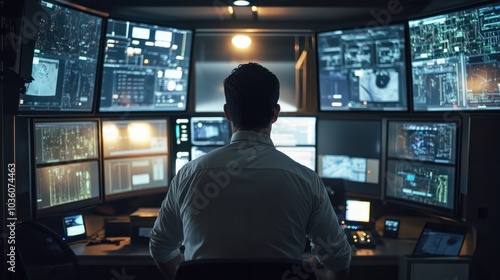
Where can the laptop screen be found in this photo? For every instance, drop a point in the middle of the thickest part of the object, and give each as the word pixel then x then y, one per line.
pixel 440 240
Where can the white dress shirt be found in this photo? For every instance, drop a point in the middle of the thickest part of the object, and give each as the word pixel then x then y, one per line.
pixel 248 200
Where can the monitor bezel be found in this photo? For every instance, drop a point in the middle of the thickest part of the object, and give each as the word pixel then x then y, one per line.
pixel 168 160
pixel 189 79
pixel 74 205
pixel 403 108
pixel 34 112
pixel 431 14
pixel 439 211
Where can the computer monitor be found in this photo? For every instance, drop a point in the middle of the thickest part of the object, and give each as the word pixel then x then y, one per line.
pixel 454 60
pixel 74 227
pixel 296 137
pixel 66 164
pixel 65 60
pixel 350 150
pixel 422 158
pixel 136 156
pixel 357 214
pixel 199 135
pixel 146 67
pixel 362 69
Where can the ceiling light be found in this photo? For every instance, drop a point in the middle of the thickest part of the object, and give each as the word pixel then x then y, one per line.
pixel 254 9
pixel 241 3
pixel 241 41
pixel 230 10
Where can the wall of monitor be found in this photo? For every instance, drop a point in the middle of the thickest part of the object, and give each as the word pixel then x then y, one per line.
pixel 114 108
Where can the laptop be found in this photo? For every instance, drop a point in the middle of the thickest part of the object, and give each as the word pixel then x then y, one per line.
pixel 440 239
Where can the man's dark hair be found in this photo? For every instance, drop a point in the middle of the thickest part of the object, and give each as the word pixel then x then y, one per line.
pixel 252 92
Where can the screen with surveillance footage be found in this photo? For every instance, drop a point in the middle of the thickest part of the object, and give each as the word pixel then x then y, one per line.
pixel 65 61
pixel 350 150
pixel 362 69
pixel 67 164
pixel 136 156
pixel 455 60
pixel 146 67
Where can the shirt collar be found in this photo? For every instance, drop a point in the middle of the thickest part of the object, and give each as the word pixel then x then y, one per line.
pixel 244 135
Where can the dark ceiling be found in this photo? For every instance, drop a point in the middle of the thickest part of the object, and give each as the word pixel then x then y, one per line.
pixel 271 14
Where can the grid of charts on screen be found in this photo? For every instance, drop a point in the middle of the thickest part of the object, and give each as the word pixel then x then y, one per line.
pixel 135 155
pixel 421 163
pixel 64 61
pixel 455 60
pixel 67 163
pixel 146 67
pixel 198 135
pixel 362 69
pixel 296 137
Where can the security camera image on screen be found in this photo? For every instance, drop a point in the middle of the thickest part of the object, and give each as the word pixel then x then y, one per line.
pixel 455 60
pixel 424 183
pixel 210 131
pixel 146 67
pixel 64 61
pixel 426 141
pixel 350 150
pixel 68 183
pixel 362 69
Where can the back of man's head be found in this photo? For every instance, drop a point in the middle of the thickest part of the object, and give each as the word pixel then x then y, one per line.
pixel 252 92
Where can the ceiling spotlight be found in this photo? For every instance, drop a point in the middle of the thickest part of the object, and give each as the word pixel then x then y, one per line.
pixel 241 3
pixel 241 41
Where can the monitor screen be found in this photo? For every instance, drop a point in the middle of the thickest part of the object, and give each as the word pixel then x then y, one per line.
pixel 64 62
pixel 357 211
pixel 454 60
pixel 423 141
pixel 136 156
pixel 420 184
pixel 350 150
pixel 146 67
pixel 362 69
pixel 65 184
pixel 198 135
pixel 74 227
pixel 296 137
pixel 67 163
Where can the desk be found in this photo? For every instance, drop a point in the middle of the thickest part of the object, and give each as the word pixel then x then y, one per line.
pixel 106 261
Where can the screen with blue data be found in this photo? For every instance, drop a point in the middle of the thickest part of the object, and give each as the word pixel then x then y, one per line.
pixel 455 60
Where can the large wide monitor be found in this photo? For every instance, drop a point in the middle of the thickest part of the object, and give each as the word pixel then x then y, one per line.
pixel 136 156
pixel 296 137
pixel 146 67
pixel 350 150
pixel 362 69
pixel 422 164
pixel 454 60
pixel 65 61
pixel 66 164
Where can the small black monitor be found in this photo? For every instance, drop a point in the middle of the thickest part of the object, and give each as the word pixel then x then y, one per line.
pixel 362 69
pixel 146 67
pixel 74 228
pixel 65 61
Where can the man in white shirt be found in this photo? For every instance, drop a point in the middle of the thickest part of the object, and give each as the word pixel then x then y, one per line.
pixel 247 199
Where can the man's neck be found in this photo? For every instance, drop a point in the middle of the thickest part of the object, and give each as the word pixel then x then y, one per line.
pixel 266 130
